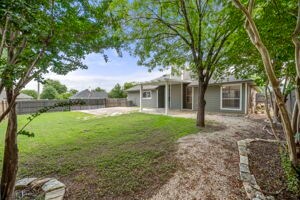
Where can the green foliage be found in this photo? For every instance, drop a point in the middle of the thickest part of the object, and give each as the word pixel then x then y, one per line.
pixel 49 92
pixel 57 85
pixel 61 90
pixel 99 89
pixel 73 91
pixel 117 92
pixel 31 93
pixel 66 95
pixel 128 85
pixel 276 22
pixel 293 179
pixel 53 36
pixel 182 33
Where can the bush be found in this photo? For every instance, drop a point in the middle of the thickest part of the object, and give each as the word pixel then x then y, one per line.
pixel 49 92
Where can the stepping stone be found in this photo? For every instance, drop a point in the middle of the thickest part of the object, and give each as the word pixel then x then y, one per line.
pixel 39 182
pixel 55 194
pixel 23 183
pixel 51 185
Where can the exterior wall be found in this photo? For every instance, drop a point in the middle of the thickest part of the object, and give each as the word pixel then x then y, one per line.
pixel 175 96
pixel 213 99
pixel 134 97
pixel 147 103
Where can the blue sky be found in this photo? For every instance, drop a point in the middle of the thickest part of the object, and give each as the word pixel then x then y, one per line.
pixel 104 75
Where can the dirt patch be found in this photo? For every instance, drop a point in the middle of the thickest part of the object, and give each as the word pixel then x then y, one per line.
pixel 267 169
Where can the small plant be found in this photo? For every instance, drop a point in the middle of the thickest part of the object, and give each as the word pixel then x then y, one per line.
pixel 293 179
pixel 22 131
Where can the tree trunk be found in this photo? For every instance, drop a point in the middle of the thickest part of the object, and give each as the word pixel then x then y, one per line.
pixel 295 116
pixel 201 103
pixel 10 160
pixel 276 113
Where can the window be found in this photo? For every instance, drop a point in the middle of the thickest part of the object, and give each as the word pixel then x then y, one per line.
pixel 231 97
pixel 147 95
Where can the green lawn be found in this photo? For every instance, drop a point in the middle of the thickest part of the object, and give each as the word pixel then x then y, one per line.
pixel 111 157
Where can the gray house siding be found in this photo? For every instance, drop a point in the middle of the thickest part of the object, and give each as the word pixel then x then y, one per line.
pixel 175 93
pixel 213 100
pixel 134 96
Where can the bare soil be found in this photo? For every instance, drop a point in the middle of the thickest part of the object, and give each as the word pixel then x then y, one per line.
pixel 268 171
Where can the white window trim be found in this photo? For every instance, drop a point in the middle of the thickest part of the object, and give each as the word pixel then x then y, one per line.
pixel 221 97
pixel 147 97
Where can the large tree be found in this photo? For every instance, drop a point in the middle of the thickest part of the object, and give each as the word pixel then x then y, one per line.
pixel 251 11
pixel 183 32
pixel 117 92
pixel 49 92
pixel 41 36
pixel 57 85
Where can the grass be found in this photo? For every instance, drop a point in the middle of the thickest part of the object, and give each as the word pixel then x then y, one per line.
pixel 121 157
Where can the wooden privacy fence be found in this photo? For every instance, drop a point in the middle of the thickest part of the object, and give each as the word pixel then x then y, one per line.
pixel 117 102
pixel 32 106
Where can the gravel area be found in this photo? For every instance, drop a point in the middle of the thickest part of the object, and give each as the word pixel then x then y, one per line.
pixel 210 162
pixel 113 111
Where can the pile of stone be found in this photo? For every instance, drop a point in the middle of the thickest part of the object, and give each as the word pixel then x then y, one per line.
pixel 252 189
pixel 50 187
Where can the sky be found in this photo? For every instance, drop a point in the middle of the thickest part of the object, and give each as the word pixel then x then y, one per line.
pixel 102 74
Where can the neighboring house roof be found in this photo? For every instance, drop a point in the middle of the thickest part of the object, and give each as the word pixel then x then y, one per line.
pixel 21 96
pixel 89 94
pixel 146 87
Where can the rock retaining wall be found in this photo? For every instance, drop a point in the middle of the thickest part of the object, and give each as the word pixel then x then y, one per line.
pixel 252 189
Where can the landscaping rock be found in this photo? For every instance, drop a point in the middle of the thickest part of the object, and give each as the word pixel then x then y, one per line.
pixel 246 177
pixel 244 160
pixel 52 185
pixel 55 194
pixel 39 182
pixel 244 168
pixel 243 151
pixel 23 183
pixel 249 182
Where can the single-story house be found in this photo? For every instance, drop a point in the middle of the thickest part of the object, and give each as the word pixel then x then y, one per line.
pixel 90 94
pixel 181 92
pixel 21 97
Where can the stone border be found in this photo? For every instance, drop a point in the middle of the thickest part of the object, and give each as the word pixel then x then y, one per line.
pixel 252 189
pixel 53 189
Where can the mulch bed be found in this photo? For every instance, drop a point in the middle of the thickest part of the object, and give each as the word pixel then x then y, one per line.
pixel 265 164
